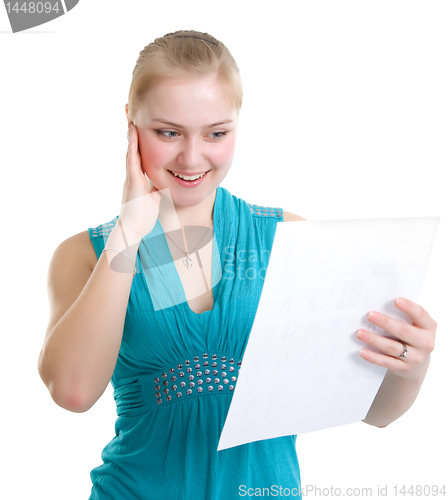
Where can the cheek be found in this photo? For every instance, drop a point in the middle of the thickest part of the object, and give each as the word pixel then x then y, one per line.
pixel 224 154
pixel 156 155
pixel 153 154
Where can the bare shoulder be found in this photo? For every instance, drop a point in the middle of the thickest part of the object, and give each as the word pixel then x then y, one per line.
pixel 288 217
pixel 70 268
pixel 79 245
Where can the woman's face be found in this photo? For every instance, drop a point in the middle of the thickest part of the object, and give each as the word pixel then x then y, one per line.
pixel 187 127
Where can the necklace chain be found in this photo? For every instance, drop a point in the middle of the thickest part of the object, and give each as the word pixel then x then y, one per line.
pixel 187 259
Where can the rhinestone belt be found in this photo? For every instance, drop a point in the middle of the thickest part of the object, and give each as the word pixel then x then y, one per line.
pixel 195 376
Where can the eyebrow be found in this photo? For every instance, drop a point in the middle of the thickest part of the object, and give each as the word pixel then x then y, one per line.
pixel 180 126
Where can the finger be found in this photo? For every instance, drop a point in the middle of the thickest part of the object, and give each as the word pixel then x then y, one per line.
pixel 133 156
pixel 396 365
pixel 138 157
pixel 419 316
pixel 386 345
pixel 129 140
pixel 129 130
pixel 403 331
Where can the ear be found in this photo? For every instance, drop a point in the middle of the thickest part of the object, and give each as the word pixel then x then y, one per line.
pixel 127 112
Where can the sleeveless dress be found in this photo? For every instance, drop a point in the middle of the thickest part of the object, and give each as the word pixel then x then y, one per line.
pixel 176 371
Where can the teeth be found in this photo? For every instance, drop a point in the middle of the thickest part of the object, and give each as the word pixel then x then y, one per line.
pixel 188 177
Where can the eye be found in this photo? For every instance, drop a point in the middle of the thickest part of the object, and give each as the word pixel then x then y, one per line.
pixel 166 133
pixel 169 134
pixel 215 136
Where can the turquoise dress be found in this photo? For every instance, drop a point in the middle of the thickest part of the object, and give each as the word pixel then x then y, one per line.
pixel 176 372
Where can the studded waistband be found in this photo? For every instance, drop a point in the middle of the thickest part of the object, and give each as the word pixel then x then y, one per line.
pixel 196 376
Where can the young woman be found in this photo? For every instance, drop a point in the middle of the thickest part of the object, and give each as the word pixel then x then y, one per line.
pixel 161 299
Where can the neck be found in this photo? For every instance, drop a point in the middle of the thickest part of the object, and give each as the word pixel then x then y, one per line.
pixel 173 216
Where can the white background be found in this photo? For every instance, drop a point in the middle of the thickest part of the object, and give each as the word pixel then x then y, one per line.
pixel 344 116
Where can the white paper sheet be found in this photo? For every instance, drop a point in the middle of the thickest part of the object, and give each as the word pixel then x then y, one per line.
pixel 302 370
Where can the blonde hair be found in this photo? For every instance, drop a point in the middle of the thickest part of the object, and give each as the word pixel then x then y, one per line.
pixel 179 54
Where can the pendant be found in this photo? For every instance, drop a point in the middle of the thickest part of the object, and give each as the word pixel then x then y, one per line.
pixel 188 261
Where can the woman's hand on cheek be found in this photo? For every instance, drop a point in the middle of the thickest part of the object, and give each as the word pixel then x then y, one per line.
pixel 141 200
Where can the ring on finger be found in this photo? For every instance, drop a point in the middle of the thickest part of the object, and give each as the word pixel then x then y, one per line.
pixel 405 351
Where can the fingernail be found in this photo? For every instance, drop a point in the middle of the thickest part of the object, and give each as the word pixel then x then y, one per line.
pixel 360 334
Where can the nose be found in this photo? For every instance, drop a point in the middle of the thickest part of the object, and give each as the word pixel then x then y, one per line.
pixel 190 154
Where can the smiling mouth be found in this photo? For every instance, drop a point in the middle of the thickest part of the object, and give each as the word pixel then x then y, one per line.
pixel 189 177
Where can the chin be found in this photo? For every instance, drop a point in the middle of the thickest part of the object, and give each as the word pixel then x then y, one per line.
pixel 189 199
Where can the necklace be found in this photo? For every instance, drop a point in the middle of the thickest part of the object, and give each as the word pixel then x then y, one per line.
pixel 187 259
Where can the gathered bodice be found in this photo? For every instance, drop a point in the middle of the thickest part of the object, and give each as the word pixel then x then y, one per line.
pixel 176 370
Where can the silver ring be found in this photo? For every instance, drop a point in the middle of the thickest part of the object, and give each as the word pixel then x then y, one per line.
pixel 405 351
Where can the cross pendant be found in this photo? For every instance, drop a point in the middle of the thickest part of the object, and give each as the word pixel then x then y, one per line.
pixel 188 261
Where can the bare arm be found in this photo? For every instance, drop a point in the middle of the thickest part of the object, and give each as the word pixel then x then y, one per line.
pixel 87 313
pixel 405 376
pixel 394 398
pixel 288 217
